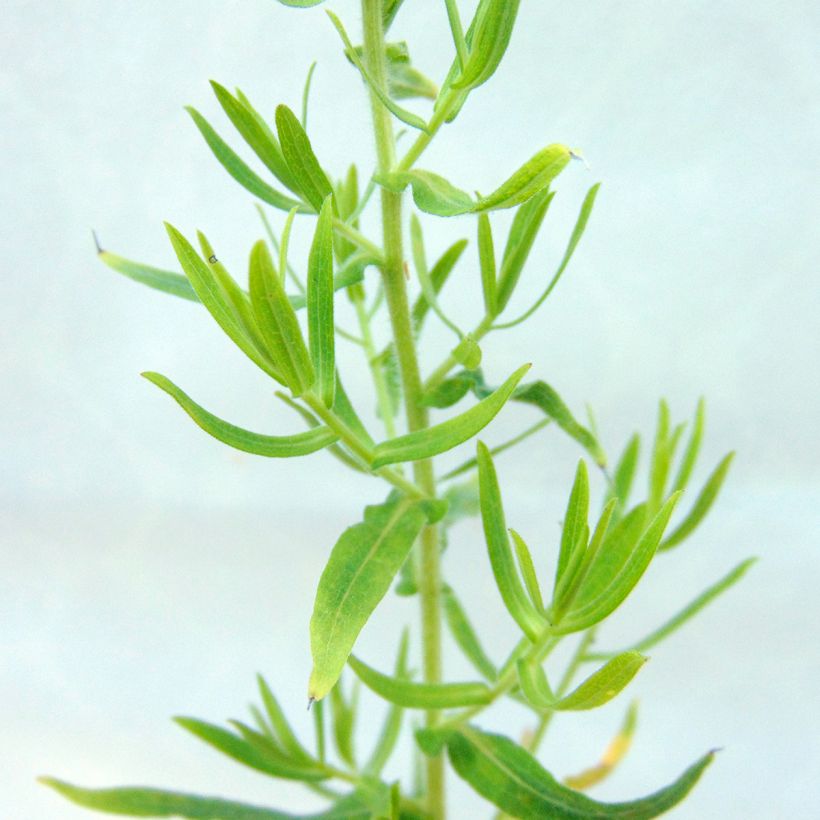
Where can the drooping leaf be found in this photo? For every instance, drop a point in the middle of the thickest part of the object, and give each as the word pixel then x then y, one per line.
pixel 613 573
pixel 358 574
pixel 256 133
pixel 442 437
pixel 465 636
pixel 299 444
pixel 494 21
pixel 498 546
pixel 603 685
pixel 212 295
pixel 689 611
pixel 163 280
pixel 237 168
pixel 523 233
pixel 277 322
pixel 614 754
pixel 402 114
pixel 320 305
pixel 301 160
pixel 414 695
pixel 701 506
pixel 511 778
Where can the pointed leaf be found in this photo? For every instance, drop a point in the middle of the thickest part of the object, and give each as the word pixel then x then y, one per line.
pixel 439 274
pixel 486 260
pixel 321 326
pixel 237 168
pixel 421 695
pixel 690 455
pixel 442 437
pixel 277 322
pixel 575 521
pixel 279 722
pixel 358 574
pixel 301 160
pixel 166 281
pixel 342 720
pixel 300 444
pixel 527 568
pixel 703 503
pixel 534 684
pixel 513 780
pixel 515 599
pixel 625 471
pixel 603 685
pixel 465 636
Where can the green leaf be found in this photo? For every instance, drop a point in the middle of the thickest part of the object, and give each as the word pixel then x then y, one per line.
pixel 575 238
pixel 439 274
pixel 392 723
pixel 213 296
pixel 389 11
pixel 523 232
pixel 515 599
pixel 661 459
pixel 300 4
pixel 358 574
pixel 432 193
pixel 527 568
pixel 142 802
pixel 164 280
pixel 575 529
pixel 320 305
pixel 603 685
pixel 237 168
pixel 703 503
pixel 278 323
pixel 534 684
pixel 450 391
pixel 421 695
pixel 300 444
pixel 351 273
pixel 402 114
pixel 690 455
pixel 467 352
pixel 614 572
pixel 284 734
pixel 465 636
pixel 342 717
pixel 625 471
pixel 689 611
pixel 494 21
pixel 404 82
pixel 256 133
pixel 545 398
pixel 486 260
pixel 300 158
pixel 512 779
pixel 442 437
pixel 264 759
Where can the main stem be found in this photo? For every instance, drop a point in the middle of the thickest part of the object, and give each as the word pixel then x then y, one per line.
pixel 429 575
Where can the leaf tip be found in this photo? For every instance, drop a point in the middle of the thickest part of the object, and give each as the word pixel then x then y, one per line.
pixel 97 244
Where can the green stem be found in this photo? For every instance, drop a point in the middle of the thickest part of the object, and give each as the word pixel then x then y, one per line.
pixel 426 137
pixel 417 416
pixel 358 238
pixel 458 32
pixel 440 373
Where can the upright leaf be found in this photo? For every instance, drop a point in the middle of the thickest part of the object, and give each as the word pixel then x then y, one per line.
pixel 573 532
pixel 511 778
pixel 625 471
pixel 322 331
pixel 515 599
pixel 301 160
pixel 278 323
pixel 486 260
pixel 279 723
pixel 439 274
pixel 442 437
pixel 465 636
pixel 358 574
pixel 527 569
pixel 690 455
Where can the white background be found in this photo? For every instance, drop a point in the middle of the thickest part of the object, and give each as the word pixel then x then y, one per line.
pixel 147 571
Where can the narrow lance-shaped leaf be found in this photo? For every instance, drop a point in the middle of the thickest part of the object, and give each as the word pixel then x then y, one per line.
pixel 604 590
pixel 301 160
pixel 163 280
pixel 689 611
pixel 144 802
pixel 407 117
pixel 432 193
pixel 575 521
pixel 342 720
pixel 442 437
pixel 702 505
pixel 467 352
pixel 486 260
pixel 690 454
pixel 465 636
pixel 421 695
pixel 534 685
pixel 256 133
pixel 211 295
pixel 491 36
pixel 624 474
pixel 439 274
pixel 511 778
pixel 527 568
pixel 614 754
pixel 321 326
pixel 575 238
pixel 498 547
pixel 603 685
pixel 279 723
pixel 300 444
pixel 237 168
pixel 278 323
pixel 358 574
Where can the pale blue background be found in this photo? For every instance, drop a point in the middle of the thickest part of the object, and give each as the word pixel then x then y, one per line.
pixel 146 571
